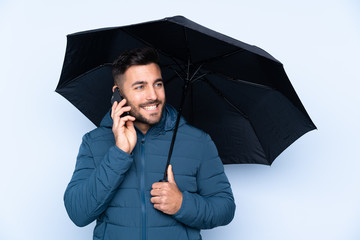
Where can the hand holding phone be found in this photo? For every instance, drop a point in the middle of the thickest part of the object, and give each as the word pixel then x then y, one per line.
pixel 123 124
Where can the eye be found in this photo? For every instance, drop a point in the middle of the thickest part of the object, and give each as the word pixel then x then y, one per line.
pixel 139 87
pixel 159 84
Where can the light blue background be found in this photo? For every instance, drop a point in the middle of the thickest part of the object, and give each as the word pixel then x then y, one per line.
pixel 312 191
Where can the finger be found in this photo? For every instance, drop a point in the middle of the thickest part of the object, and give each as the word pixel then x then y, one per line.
pixel 126 109
pixel 170 174
pixel 121 103
pixel 130 125
pixel 113 109
pixel 130 122
pixel 119 121
pixel 117 109
pixel 128 118
pixel 120 110
pixel 158 207
pixel 116 116
pixel 126 121
pixel 154 193
pixel 157 185
pixel 158 192
pixel 155 200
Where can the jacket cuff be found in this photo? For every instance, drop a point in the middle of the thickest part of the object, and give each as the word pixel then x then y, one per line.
pixel 117 157
pixel 187 208
pixel 121 152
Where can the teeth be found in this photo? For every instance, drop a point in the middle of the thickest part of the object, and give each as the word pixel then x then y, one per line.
pixel 150 107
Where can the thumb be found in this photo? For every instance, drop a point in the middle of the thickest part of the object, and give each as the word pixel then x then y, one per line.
pixel 170 175
pixel 129 124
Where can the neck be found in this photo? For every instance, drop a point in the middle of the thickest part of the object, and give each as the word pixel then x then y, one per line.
pixel 143 127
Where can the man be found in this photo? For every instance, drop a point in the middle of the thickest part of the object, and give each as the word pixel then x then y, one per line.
pixel 119 165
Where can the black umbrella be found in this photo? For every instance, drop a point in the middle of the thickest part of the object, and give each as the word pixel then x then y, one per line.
pixel 236 92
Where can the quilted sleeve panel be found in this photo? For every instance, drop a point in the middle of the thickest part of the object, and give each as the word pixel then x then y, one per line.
pixel 94 183
pixel 213 204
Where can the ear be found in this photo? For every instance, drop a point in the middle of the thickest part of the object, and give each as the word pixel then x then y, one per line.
pixel 114 87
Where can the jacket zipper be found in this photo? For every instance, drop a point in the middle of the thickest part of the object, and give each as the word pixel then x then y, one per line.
pixel 104 230
pixel 142 187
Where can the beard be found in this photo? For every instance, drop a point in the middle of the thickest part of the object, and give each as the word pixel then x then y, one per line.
pixel 141 118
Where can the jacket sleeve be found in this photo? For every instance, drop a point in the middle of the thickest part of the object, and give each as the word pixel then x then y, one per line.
pixel 92 187
pixel 213 204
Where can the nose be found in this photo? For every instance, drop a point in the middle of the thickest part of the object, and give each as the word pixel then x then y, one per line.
pixel 151 93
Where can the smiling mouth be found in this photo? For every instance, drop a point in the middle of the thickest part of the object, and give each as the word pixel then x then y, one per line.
pixel 151 107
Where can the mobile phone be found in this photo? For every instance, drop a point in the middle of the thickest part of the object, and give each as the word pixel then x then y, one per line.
pixel 116 97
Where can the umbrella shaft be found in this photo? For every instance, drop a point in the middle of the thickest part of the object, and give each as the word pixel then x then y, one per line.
pixel 176 128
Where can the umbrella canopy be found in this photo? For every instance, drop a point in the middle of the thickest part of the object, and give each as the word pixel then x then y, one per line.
pixel 236 92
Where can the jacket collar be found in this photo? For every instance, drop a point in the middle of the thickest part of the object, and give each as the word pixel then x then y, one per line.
pixel 167 122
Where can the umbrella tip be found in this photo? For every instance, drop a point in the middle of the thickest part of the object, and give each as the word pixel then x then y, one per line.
pixel 175 17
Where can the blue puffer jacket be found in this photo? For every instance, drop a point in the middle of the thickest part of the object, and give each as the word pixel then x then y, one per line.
pixel 113 187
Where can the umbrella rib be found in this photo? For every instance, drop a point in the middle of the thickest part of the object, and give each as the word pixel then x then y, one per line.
pixel 178 75
pixel 225 98
pixel 151 45
pixel 222 56
pixel 232 105
pixel 197 70
pixel 200 77
pixel 188 70
pixel 81 75
pixel 187 48
pixel 243 81
pixel 174 60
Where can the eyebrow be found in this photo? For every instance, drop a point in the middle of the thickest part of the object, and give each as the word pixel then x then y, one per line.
pixel 138 82
pixel 143 82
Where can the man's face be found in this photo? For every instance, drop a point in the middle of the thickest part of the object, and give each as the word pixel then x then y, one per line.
pixel 144 91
